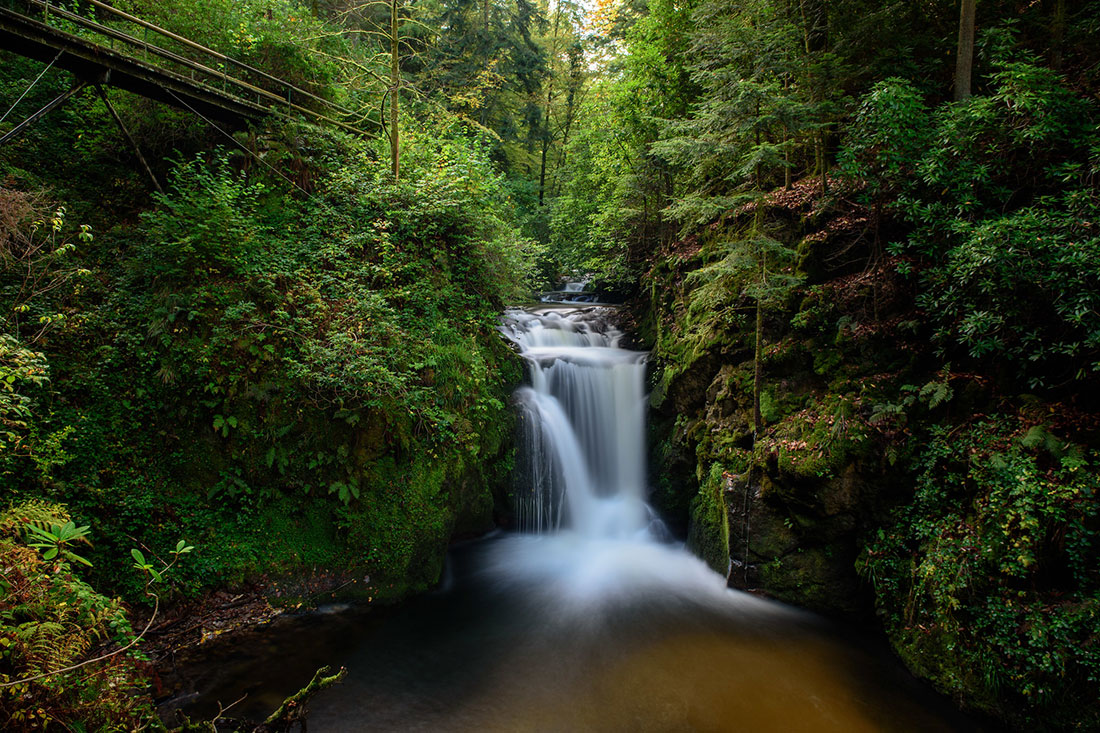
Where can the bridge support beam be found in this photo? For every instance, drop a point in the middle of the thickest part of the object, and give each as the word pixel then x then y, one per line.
pixel 22 126
pixel 129 137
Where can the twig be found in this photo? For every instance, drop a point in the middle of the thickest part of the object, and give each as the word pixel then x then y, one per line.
pixel 292 707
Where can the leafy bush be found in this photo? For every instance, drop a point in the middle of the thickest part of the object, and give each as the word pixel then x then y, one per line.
pixel 890 134
pixel 1000 192
pixel 279 37
pixel 21 371
pixel 260 348
pixel 988 582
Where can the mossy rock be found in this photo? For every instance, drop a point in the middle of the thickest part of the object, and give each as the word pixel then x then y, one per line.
pixel 686 392
pixel 709 533
pixel 675 484
pixel 819 578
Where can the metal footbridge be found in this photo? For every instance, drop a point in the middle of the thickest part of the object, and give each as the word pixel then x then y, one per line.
pixel 103 46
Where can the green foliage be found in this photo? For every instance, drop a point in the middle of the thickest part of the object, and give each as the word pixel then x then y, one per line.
pixel 890 133
pixel 987 581
pixel 609 209
pixel 1000 192
pixel 37 249
pixel 743 269
pixel 21 372
pixel 279 37
pixel 248 348
pixel 209 224
pixel 754 267
pixel 50 619
pixel 488 67
pixel 55 540
pixel 598 205
pixel 757 97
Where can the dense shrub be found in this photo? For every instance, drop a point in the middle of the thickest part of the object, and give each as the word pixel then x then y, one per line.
pixel 254 355
pixel 1001 197
pixel 51 619
pixel 987 582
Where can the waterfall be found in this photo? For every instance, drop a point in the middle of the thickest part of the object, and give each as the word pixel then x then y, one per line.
pixel 590 618
pixel 582 437
pixel 589 543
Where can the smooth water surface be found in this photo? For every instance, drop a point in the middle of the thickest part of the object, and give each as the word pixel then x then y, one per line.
pixel 608 648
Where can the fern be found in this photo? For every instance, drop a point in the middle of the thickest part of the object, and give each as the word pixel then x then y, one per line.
pixel 936 393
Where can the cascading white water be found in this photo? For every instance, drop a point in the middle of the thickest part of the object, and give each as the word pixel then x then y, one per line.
pixel 583 427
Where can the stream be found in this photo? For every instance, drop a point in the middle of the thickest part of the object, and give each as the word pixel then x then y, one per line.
pixel 590 618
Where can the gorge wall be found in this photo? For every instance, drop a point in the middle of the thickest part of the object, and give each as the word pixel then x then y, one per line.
pixel 882 482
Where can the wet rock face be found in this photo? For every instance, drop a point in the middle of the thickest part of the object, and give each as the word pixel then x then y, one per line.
pixel 782 542
pixel 793 534
pixel 803 492
pixel 683 393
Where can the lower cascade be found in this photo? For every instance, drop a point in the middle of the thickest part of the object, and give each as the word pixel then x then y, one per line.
pixel 588 537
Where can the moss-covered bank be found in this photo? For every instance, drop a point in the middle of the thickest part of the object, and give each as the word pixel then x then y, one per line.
pixel 288 376
pixel 882 481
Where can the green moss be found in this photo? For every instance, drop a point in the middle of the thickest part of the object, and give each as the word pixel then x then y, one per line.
pixel 819 441
pixel 709 534
pixel 812 577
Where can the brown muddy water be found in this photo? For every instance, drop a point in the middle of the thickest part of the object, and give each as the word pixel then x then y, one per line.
pixel 495 651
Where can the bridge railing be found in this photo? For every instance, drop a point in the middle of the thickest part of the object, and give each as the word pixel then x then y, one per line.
pixel 203 65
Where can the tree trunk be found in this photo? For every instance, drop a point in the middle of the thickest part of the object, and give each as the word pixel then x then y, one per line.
pixel 546 135
pixel 823 159
pixel 815 25
pixel 964 60
pixel 786 159
pixel 563 149
pixel 815 39
pixel 395 92
pixel 545 149
pixel 1058 34
pixel 786 141
pixel 757 416
pixel 756 169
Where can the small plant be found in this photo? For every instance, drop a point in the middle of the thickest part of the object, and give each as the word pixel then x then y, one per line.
pixel 67 653
pixel 182 548
pixel 55 540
